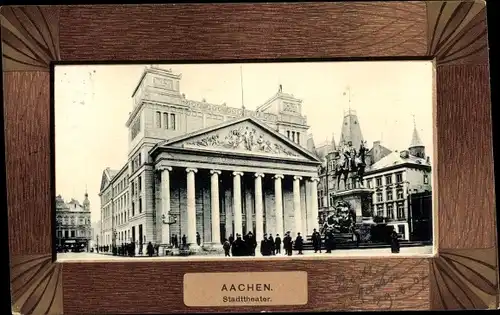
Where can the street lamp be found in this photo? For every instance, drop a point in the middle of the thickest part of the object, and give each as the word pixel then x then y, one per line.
pixel 97 243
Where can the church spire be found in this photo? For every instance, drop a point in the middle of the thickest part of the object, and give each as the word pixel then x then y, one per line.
pixel 415 139
pixel 333 145
pixel 351 130
pixel 416 147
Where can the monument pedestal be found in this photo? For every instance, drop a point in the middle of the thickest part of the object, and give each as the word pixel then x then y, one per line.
pixel 355 198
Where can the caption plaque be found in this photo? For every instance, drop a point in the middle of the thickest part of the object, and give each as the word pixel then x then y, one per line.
pixel 245 288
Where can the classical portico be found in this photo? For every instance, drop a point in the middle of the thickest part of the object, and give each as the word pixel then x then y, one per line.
pixel 233 178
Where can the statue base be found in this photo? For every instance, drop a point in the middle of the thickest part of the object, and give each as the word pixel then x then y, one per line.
pixel 355 197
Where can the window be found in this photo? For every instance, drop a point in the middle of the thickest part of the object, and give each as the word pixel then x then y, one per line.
pixel 388 179
pixel 399 177
pixel 140 205
pixel 298 137
pixel 389 195
pixel 293 136
pixel 390 210
pixel 369 183
pixel 380 210
pixel 400 193
pixel 172 121
pixel 288 134
pixel 379 197
pixel 59 234
pixel 401 211
pixel 133 208
pixel 139 182
pixel 165 120
pixel 158 120
pixel 378 181
pixel 426 179
pixel 332 199
pixel 72 233
pixel 133 189
pixel 66 234
pixel 136 128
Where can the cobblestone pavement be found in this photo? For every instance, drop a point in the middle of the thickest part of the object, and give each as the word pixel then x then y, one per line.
pixel 424 251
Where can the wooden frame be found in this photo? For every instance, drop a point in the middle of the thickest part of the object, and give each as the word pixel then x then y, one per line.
pixel 463 275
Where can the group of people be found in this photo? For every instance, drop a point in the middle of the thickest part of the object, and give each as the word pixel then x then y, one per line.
pixel 269 245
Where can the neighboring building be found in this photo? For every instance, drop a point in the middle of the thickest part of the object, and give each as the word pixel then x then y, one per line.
pixel 187 158
pixel 330 190
pixel 394 178
pixel 73 224
pixel 421 216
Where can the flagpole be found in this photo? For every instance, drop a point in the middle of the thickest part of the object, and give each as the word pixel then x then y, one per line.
pixel 241 83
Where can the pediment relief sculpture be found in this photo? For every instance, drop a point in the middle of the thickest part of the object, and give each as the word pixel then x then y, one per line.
pixel 243 138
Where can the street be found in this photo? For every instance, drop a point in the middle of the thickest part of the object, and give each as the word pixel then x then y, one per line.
pixel 422 251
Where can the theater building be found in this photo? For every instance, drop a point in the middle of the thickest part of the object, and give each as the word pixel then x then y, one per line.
pixel 195 167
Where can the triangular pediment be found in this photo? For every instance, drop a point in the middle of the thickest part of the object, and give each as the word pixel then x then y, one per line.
pixel 104 180
pixel 243 136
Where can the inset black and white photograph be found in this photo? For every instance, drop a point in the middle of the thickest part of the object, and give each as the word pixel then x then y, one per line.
pixel 247 160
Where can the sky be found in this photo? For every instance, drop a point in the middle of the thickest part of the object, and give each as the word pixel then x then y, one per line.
pixel 93 102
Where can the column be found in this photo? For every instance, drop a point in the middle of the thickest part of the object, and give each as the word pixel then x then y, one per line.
pixel 297 213
pixel 314 203
pixel 214 205
pixel 238 220
pixel 259 208
pixel 191 208
pixel 309 206
pixel 165 204
pixel 278 198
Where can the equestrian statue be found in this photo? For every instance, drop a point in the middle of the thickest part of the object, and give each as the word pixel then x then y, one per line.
pixel 350 161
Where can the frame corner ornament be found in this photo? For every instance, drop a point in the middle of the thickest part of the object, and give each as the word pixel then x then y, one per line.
pixel 457 32
pixel 36 285
pixel 30 37
pixel 465 279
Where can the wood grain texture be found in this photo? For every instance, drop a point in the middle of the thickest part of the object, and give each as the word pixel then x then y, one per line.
pixel 465 279
pixel 27 143
pixel 243 31
pixel 30 37
pixel 458 32
pixel 464 275
pixel 36 285
pixel 156 287
pixel 466 199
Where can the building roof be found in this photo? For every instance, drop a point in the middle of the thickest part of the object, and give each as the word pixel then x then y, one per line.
pixel 415 139
pixel 112 173
pixel 397 158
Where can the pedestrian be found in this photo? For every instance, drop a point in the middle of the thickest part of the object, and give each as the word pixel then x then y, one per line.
pixel 265 249
pixel 299 243
pixel 238 247
pixel 184 241
pixel 316 240
pixel 277 244
pixel 198 239
pixel 251 243
pixel 150 250
pixel 288 244
pixel 227 247
pixel 271 244
pixel 394 242
pixel 231 239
